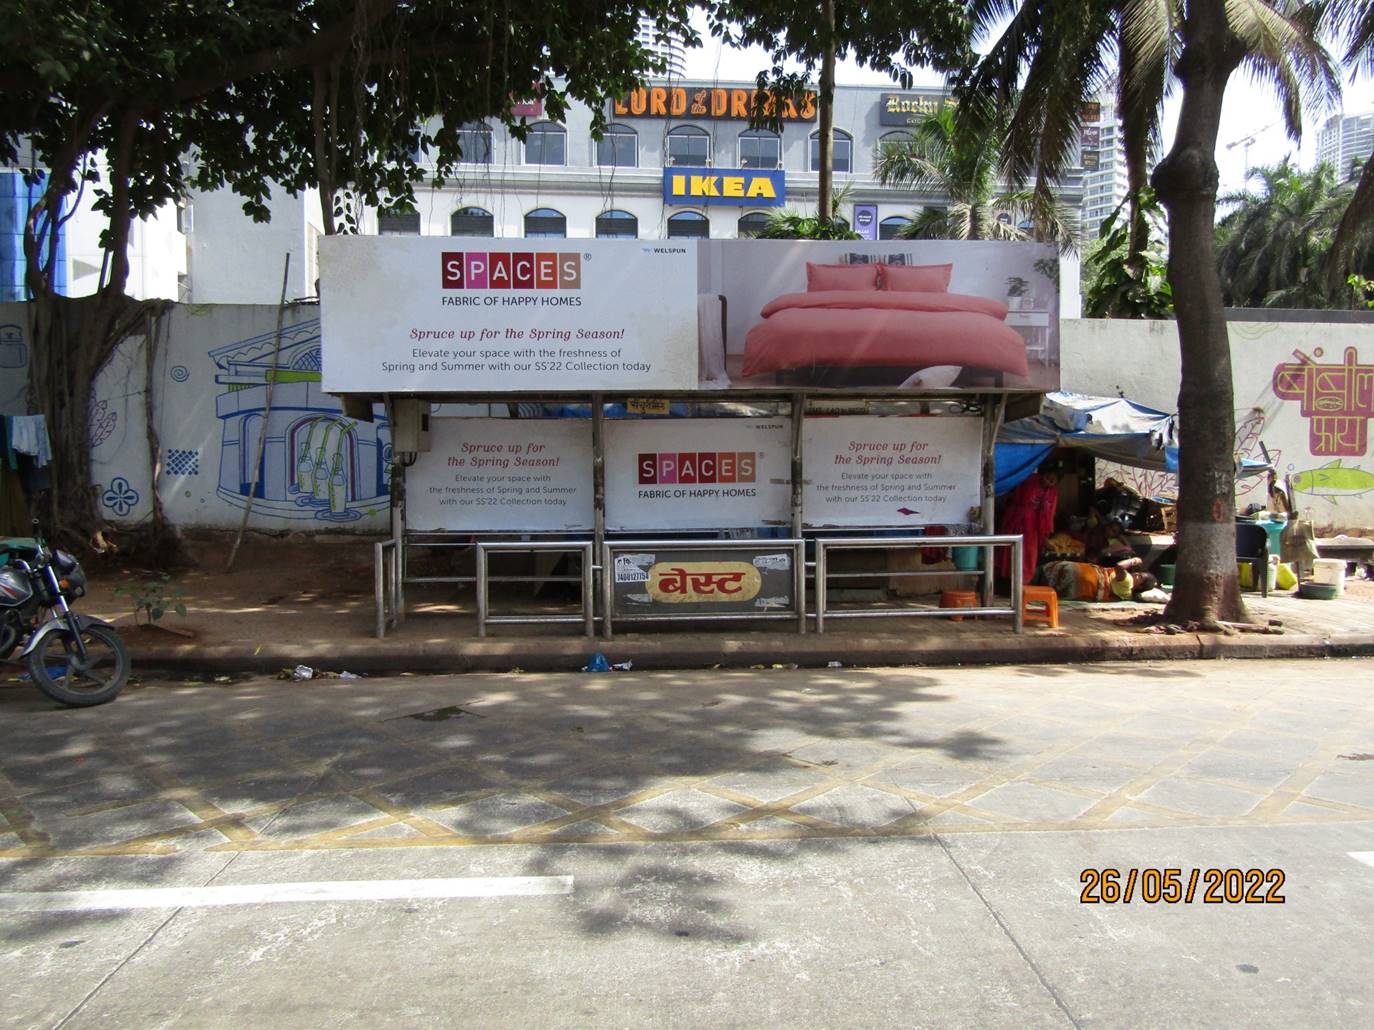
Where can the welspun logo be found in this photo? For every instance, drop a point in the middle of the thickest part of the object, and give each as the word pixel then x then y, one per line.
pixel 505 270
pixel 697 467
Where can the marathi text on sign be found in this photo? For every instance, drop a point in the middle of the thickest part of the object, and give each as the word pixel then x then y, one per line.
pixel 1337 399
pixel 678 582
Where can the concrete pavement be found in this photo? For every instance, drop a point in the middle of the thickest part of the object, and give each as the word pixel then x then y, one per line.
pixel 844 848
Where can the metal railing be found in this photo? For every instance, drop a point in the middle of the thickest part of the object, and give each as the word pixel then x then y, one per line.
pixel 822 574
pixel 386 585
pixel 485 579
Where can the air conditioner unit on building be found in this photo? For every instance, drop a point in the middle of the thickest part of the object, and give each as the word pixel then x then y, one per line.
pixel 409 424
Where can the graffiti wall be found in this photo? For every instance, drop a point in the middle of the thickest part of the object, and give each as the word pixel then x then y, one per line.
pixel 1304 392
pixel 225 390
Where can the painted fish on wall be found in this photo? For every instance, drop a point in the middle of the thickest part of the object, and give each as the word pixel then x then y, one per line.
pixel 1334 480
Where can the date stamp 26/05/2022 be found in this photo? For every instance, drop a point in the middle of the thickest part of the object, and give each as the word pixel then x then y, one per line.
pixel 1174 886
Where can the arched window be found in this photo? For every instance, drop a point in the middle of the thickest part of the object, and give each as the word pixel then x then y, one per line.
pixel 617 225
pixel 618 148
pixel 841 155
pixel 471 221
pixel 398 223
pixel 688 145
pixel 889 227
pixel 546 144
pixel 688 225
pixel 474 140
pixel 546 222
pixel 752 224
pixel 759 148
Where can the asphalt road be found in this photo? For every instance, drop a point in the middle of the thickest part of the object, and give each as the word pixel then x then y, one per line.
pixel 832 848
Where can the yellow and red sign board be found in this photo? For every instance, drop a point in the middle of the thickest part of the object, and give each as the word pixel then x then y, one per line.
pixel 709 102
pixel 703 581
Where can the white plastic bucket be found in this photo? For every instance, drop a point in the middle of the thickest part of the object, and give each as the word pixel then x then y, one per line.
pixel 1330 571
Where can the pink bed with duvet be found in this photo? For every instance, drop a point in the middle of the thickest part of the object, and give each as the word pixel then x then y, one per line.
pixel 865 328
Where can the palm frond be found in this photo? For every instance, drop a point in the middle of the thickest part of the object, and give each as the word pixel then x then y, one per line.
pixel 1283 50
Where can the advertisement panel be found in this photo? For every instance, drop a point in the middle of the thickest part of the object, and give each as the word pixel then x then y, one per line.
pixel 431 314
pixel 866 220
pixel 707 102
pixel 503 475
pixel 909 108
pixel 724 186
pixel 879 315
pixel 734 581
pixel 723 473
pixel 891 471
pixel 437 315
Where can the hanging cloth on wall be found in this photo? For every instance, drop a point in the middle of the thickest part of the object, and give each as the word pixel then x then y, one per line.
pixel 28 434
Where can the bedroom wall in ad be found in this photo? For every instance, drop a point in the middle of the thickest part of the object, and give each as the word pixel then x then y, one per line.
pixel 898 313
pixel 1305 390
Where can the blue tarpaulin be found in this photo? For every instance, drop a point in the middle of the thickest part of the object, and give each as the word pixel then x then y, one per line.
pixel 1110 428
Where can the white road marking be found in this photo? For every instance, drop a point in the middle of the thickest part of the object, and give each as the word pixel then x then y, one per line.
pixel 272 893
pixel 1367 857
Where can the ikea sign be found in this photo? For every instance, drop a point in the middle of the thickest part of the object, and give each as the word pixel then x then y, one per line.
pixel 738 186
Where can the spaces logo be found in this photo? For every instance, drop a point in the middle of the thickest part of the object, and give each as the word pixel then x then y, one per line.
pixel 697 467
pixel 505 270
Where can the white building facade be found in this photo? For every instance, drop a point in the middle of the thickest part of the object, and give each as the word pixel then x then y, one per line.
pixel 1345 143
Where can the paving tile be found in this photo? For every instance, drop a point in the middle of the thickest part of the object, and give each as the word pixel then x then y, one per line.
pixel 319 816
pixel 1347 789
pixel 845 756
pixel 1249 770
pixel 115 827
pixel 604 784
pixel 1205 799
pixel 856 806
pixel 438 789
pixel 1029 802
pixel 383 763
pixel 930 775
pixel 1086 770
pixel 1270 745
pixel 268 789
pixel 772 780
pixel 679 810
pixel 496 815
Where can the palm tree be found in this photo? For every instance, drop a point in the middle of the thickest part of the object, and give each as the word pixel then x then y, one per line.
pixel 941 157
pixel 1058 53
pixel 1272 247
pixel 1353 22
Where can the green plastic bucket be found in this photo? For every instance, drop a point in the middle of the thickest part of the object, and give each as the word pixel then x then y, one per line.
pixel 966 559
pixel 1166 575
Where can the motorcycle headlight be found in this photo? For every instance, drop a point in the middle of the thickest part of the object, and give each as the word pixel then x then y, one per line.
pixel 69 571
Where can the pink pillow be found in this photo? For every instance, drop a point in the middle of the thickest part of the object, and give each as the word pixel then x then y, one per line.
pixel 917 278
pixel 841 277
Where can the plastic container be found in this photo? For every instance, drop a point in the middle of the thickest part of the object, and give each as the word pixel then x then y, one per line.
pixel 966 558
pixel 1329 572
pixel 1317 591
pixel 1166 575
pixel 1247 580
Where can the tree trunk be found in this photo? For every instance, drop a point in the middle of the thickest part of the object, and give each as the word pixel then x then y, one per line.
pixel 1207 590
pixel 825 205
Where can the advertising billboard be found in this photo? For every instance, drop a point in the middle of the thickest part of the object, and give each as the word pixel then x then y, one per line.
pixel 440 314
pixel 707 102
pixel 729 186
pixel 909 108
pixel 891 471
pixel 698 473
pixel 503 475
pixel 446 315
pixel 878 315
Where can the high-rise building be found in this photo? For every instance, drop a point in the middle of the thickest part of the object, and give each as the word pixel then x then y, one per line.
pixel 1103 158
pixel 1345 143
pixel 671 50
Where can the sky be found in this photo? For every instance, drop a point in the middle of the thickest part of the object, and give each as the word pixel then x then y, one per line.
pixel 1250 112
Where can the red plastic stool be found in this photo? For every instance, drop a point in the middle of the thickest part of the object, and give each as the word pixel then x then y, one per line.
pixel 958 599
pixel 1040 604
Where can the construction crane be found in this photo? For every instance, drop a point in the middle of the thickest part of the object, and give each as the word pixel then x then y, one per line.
pixel 1245 141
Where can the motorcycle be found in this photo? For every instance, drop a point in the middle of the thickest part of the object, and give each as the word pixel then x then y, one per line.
pixel 75 659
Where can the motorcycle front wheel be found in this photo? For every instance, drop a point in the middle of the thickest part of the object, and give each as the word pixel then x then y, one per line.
pixel 60 672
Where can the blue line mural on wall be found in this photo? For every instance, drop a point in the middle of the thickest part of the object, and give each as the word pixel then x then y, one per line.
pixel 316 463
